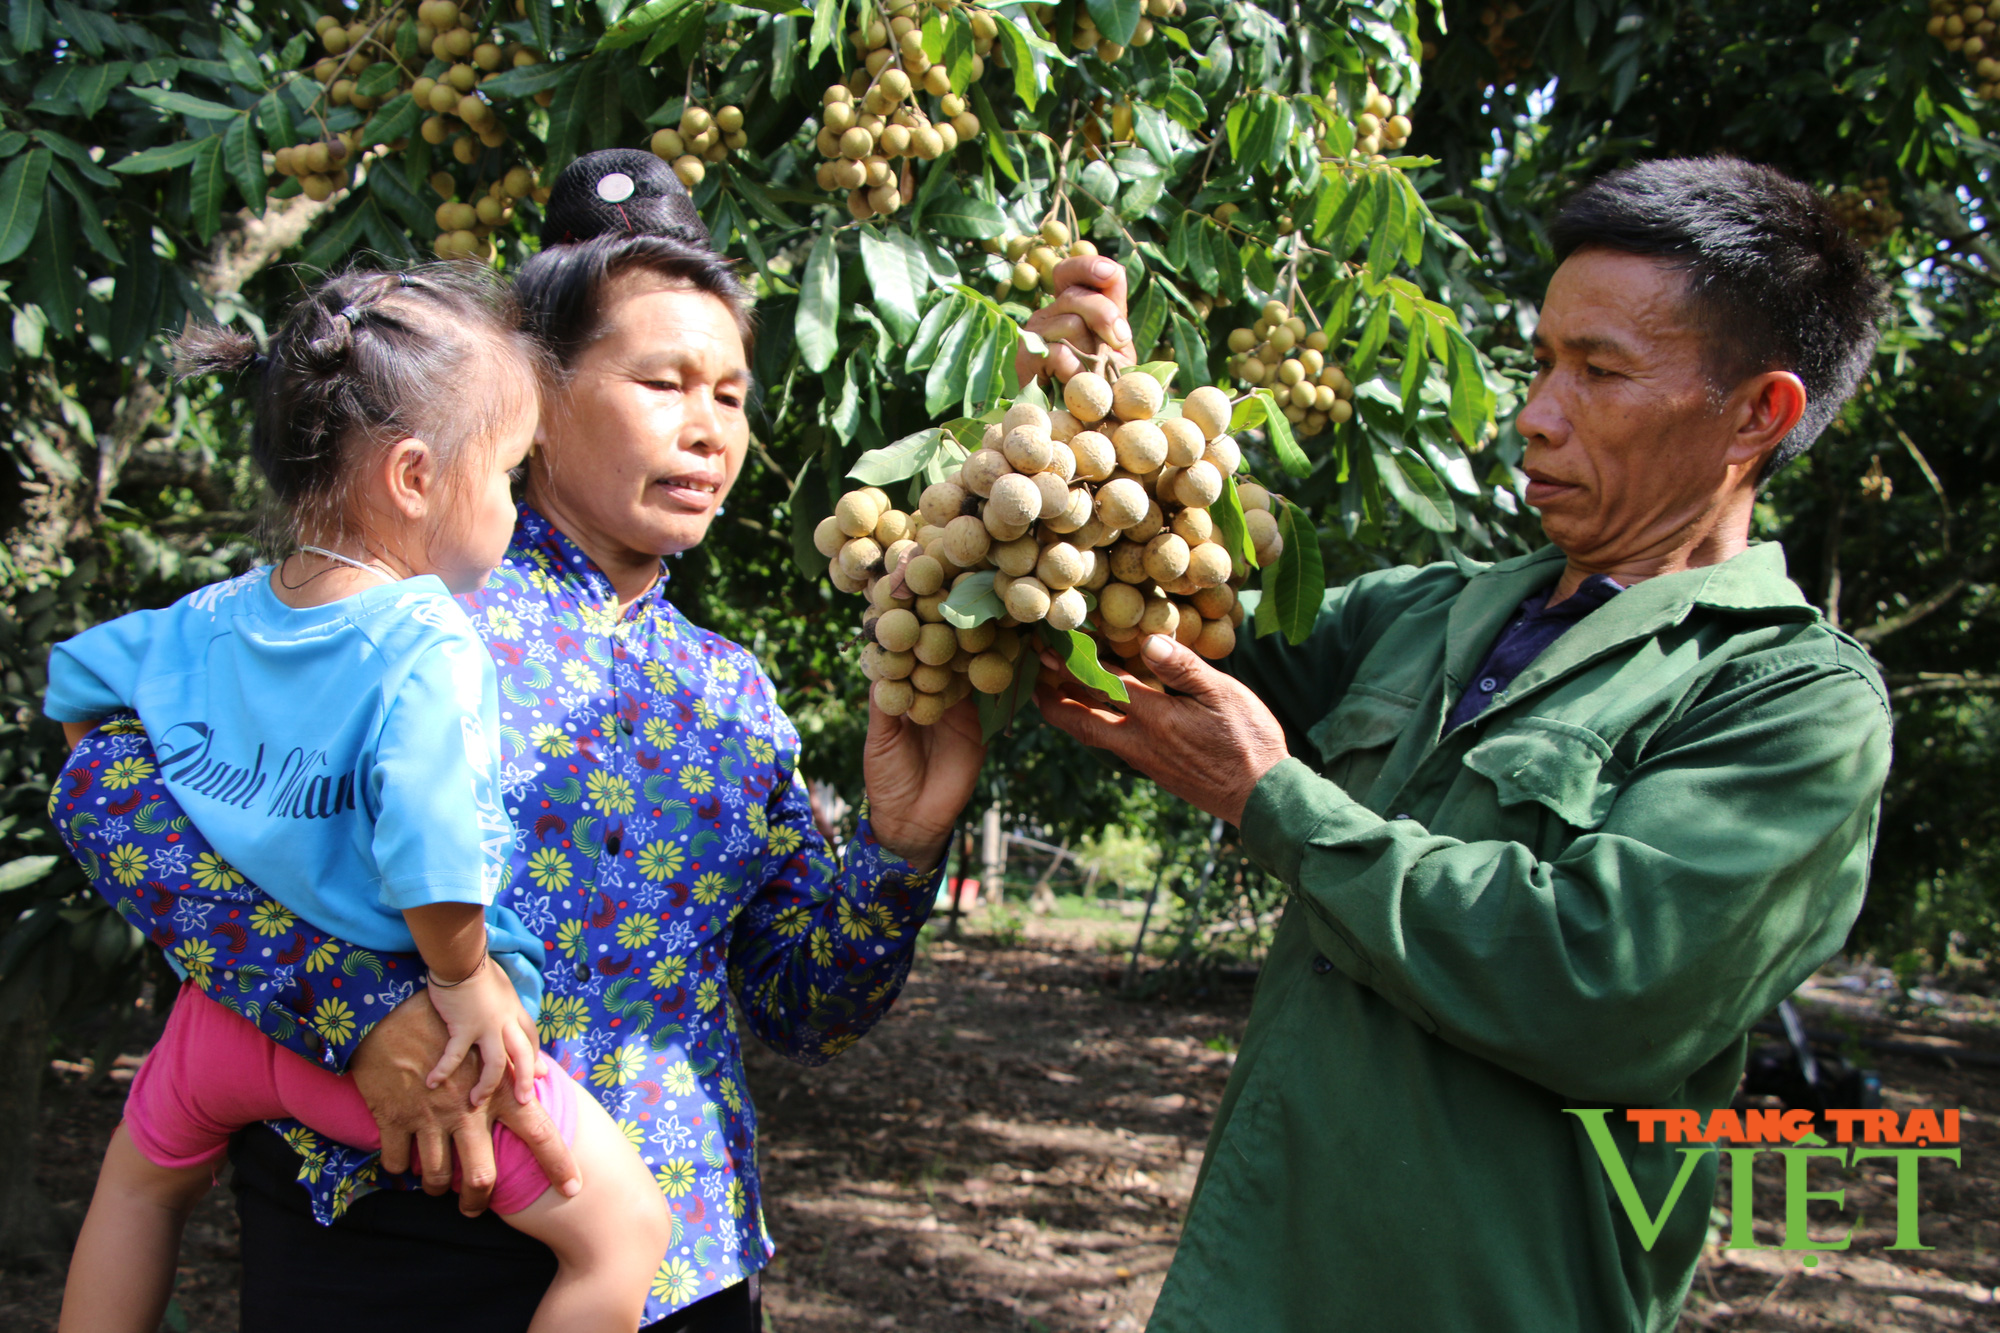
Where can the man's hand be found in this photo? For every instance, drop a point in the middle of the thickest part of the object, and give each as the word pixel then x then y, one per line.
pixel 1088 315
pixel 389 1071
pixel 1208 742
pixel 919 779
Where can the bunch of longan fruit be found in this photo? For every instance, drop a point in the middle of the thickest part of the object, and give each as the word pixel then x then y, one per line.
pixel 1968 28
pixel 701 137
pixel 874 117
pixel 1379 129
pixel 445 82
pixel 1030 260
pixel 1085 35
pixel 1094 516
pixel 1512 58
pixel 1281 354
pixel 1866 210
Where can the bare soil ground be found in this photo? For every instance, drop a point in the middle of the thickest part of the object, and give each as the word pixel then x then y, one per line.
pixel 1013 1149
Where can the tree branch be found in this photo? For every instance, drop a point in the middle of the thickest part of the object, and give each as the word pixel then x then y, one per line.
pixel 1939 682
pixel 1887 625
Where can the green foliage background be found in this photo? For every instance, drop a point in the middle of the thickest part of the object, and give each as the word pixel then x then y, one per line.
pixel 135 191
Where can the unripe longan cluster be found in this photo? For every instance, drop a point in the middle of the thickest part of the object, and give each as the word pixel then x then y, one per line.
pixel 1866 211
pixel 701 137
pixel 1092 516
pixel 1032 259
pixel 1969 30
pixel 874 119
pixel 1378 128
pixel 1085 36
pixel 445 83
pixel 1281 354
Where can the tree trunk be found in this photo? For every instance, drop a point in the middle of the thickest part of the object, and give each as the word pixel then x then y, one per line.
pixel 28 1232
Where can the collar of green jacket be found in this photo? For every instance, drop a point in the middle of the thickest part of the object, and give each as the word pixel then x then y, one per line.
pixel 1752 583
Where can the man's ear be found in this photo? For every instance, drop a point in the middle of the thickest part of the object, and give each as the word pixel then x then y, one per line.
pixel 409 476
pixel 1769 406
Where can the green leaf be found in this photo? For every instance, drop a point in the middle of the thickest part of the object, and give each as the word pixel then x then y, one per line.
pixel 75 153
pixel 935 322
pixel 1163 371
pixel 1385 248
pixel 1189 346
pixel 972 602
pixel 946 382
pixel 86 85
pixel 1362 364
pixel 1080 656
pixel 642 22
pixel 25 870
pixel 27 24
pixel 956 214
pixel 1260 130
pixel 1471 399
pixel 1117 19
pixel 527 80
pixel 12 142
pixel 1149 317
pixel 86 204
pixel 983 358
pixel 1283 444
pixel 22 188
pixel 135 299
pixel 163 158
pixel 829 16
pixel 1230 525
pixel 184 104
pixel 1416 488
pixel 817 326
pixel 244 157
pixel 899 461
pixel 1298 585
pixel 402 203
pixel 897 277
pixel 395 119
pixel 207 183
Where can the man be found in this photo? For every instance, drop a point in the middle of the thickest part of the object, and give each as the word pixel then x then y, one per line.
pixel 1557 830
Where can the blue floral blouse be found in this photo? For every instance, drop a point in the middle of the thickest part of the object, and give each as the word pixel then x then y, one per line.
pixel 664 851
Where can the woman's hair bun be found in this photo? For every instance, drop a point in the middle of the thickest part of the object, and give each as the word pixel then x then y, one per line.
pixel 620 192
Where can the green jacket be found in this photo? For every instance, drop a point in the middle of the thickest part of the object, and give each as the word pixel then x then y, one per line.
pixel 1584 898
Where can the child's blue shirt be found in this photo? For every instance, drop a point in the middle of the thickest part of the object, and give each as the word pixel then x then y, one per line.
pixel 343 757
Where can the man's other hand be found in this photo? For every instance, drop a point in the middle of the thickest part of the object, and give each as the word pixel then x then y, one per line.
pixel 1088 315
pixel 1208 741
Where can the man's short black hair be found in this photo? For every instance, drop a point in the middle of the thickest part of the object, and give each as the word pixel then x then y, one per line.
pixel 1774 279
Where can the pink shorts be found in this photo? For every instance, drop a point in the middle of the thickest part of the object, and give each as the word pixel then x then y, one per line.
pixel 213 1073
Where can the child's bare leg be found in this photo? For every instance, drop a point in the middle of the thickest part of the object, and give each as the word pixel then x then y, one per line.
pixel 609 1238
pixel 123 1268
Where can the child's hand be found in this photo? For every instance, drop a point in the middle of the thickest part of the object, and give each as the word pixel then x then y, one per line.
pixel 484 1012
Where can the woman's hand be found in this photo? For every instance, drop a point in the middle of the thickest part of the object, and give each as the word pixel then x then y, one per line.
pixel 1089 315
pixel 389 1071
pixel 919 779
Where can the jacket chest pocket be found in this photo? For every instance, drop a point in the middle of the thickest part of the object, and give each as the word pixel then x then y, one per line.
pixel 1354 740
pixel 1566 769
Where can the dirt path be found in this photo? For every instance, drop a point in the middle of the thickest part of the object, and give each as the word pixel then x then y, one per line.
pixel 1013 1148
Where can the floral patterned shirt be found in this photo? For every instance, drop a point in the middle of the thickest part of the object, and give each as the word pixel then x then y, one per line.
pixel 664 851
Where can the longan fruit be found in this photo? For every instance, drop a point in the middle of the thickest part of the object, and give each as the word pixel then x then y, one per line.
pixel 861 557
pixel 1128 562
pixel 977 638
pixel 1025 414
pixel 1187 628
pixel 1063 425
pixel 1252 496
pixel 923 576
pixel 998 528
pixel 840 578
pixel 1166 557
pixel 978 473
pixel 1067 610
pixel 990 673
pixel 1121 503
pixel 1208 407
pixel 1225 453
pixel 1121 605
pixel 1027 600
pixel 1095 455
pixel 927 608
pixel 1088 397
pixel 966 541
pixel 1141 445
pixel 1208 565
pixel 1159 617
pixel 1193 526
pixel 1214 602
pixel 931 677
pixel 935 644
pixel 858 512
pixel 1062 462
pixel 1017 557
pixel 1264 534
pixel 1185 442
pixel 927 710
pixel 942 501
pixel 1149 525
pixel 1137 396
pixel 1216 639
pixel 1060 566
pixel 1199 485
pixel 1072 516
pixel 1028 448
pixel 690 170
pixel 894 666
pixel 898 630
pixel 1014 500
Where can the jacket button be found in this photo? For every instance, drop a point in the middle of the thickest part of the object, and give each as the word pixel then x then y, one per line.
pixel 582 971
pixel 1404 815
pixel 613 843
pixel 625 725
pixel 1322 964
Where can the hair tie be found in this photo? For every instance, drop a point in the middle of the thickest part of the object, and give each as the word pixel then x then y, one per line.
pixel 350 314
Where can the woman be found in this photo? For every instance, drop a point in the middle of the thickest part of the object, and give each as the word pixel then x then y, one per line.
pixel 663 843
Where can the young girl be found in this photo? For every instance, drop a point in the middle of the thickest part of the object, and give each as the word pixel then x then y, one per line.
pixel 330 724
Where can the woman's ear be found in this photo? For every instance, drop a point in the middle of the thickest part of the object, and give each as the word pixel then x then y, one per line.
pixel 409 477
